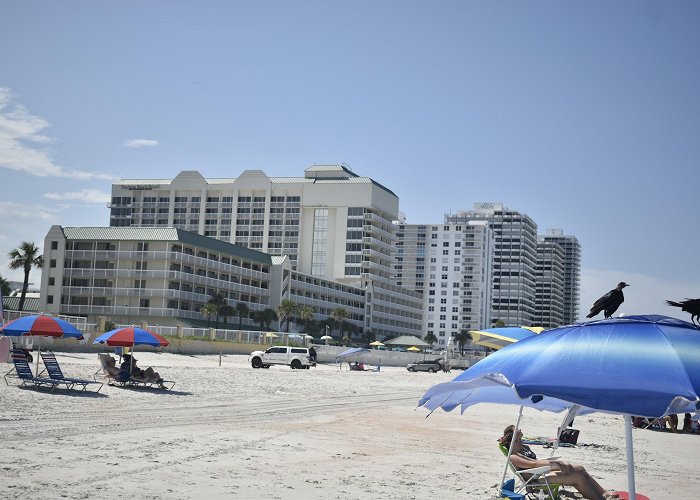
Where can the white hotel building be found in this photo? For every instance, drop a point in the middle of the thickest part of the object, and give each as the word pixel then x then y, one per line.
pixel 332 224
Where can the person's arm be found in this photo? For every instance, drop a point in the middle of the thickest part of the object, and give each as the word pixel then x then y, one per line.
pixel 529 463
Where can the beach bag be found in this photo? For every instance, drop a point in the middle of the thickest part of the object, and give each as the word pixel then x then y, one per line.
pixel 569 436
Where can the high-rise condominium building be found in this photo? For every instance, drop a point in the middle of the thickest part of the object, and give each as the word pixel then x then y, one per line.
pixel 572 272
pixel 452 266
pixel 515 257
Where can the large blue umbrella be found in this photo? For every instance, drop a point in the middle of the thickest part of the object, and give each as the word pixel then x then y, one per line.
pixel 634 365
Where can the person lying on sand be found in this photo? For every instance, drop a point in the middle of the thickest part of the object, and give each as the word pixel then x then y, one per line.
pixel 563 473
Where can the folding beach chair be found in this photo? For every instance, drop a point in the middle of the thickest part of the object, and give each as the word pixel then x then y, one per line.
pixel 55 373
pixel 127 380
pixel 529 483
pixel 24 373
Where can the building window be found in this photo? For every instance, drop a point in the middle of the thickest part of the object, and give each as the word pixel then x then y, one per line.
pixel 49 299
pixel 52 263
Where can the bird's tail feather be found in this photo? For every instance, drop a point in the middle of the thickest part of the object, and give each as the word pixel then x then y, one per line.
pixel 675 304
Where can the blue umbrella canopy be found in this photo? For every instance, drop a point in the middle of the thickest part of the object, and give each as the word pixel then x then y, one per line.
pixel 129 337
pixel 40 325
pixel 351 352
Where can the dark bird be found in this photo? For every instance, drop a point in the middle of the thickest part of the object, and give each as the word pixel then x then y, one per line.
pixel 609 302
pixel 691 306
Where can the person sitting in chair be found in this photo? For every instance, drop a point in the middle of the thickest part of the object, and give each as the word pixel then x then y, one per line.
pixel 114 371
pixel 563 473
pixel 148 375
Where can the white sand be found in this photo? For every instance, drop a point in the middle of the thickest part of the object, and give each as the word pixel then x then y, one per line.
pixel 232 431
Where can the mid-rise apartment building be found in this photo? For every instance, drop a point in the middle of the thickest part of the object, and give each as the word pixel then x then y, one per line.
pixel 166 275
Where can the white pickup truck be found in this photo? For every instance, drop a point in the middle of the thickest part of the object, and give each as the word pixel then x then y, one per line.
pixel 296 357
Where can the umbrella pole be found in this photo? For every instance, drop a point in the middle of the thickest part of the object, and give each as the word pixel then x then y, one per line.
pixel 630 457
pixel 510 449
pixel 38 354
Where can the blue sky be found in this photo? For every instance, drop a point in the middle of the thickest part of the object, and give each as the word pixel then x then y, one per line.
pixel 583 115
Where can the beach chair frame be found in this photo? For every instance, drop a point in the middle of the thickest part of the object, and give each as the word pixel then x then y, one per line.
pixel 132 381
pixel 52 367
pixel 533 486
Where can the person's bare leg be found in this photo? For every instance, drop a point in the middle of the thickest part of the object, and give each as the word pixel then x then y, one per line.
pixel 578 477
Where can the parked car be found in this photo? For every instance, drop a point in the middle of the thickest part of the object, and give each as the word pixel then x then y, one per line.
pixel 431 366
pixel 295 357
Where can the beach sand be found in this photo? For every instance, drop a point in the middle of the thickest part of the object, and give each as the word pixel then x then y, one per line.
pixel 231 431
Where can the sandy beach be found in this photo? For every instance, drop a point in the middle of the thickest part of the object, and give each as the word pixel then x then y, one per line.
pixel 232 431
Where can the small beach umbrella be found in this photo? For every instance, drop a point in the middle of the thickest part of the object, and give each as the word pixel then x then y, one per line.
pixel 40 326
pixel 635 365
pixel 44 326
pixel 413 349
pixel 376 343
pixel 497 338
pixel 129 337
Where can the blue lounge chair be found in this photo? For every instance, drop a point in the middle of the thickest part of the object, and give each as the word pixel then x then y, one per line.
pixel 25 375
pixel 55 373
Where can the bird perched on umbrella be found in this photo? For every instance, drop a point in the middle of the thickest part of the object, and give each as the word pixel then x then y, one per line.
pixel 691 306
pixel 609 302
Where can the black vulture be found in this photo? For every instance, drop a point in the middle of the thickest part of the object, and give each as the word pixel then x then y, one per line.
pixel 609 302
pixel 691 306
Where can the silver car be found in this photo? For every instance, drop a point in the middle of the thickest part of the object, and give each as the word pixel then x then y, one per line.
pixel 431 366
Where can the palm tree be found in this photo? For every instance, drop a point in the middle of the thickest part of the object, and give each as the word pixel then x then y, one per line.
pixel 226 311
pixel 286 309
pixel 218 300
pixel 4 287
pixel 430 338
pixel 241 310
pixel 338 315
pixel 462 338
pixel 25 256
pixel 265 317
pixel 306 314
pixel 208 310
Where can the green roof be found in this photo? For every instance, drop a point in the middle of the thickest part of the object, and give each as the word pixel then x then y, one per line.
pixel 31 304
pixel 110 233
